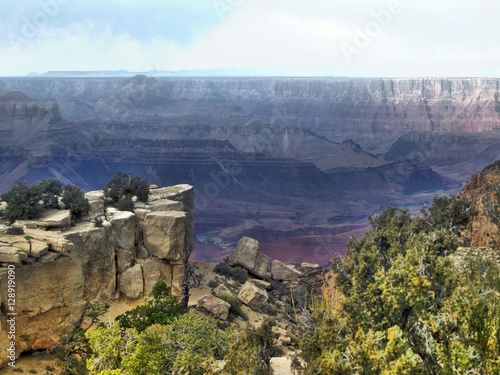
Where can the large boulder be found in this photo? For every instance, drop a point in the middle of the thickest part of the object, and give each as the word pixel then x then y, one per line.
pixel 283 272
pixel 131 282
pixel 214 306
pixel 251 295
pixel 165 234
pixel 249 256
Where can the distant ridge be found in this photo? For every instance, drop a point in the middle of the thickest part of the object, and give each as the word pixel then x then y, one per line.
pixel 220 72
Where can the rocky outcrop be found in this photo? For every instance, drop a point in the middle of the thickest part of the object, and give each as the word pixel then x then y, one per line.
pixel 249 256
pixel 58 270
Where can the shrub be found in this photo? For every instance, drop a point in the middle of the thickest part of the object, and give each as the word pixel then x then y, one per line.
pixel 49 190
pixel 17 231
pixel 222 269
pixel 268 309
pixel 251 349
pixel 98 222
pixel 74 200
pixel 23 203
pixel 126 186
pixel 161 308
pixel 213 284
pixel 239 274
pixel 125 204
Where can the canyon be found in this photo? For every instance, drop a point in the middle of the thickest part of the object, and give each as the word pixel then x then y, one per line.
pixel 297 163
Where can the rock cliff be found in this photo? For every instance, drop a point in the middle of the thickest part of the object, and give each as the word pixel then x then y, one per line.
pixel 483 189
pixel 57 271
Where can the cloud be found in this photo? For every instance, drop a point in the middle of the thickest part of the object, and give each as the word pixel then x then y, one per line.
pixel 366 37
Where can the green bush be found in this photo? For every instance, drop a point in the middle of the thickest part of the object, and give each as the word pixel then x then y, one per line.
pixel 74 200
pixel 187 345
pixel 251 350
pixel 125 185
pixel 222 269
pixel 23 203
pixel 213 284
pixel 49 190
pixel 125 204
pixel 161 308
pixel 239 274
pixel 98 222
pixel 15 230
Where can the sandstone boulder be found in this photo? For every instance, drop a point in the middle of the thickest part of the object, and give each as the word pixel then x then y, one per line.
pixel 131 282
pixel 251 295
pixel 283 272
pixel 165 234
pixel 249 256
pixel 214 306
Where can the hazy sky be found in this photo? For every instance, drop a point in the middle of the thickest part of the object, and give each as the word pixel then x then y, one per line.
pixel 287 37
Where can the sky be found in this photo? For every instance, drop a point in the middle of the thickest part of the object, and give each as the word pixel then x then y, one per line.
pixel 362 38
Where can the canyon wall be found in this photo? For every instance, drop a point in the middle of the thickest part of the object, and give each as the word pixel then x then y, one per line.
pixel 365 110
pixel 57 271
pixel 299 160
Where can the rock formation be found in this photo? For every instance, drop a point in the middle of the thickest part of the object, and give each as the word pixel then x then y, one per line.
pixel 57 271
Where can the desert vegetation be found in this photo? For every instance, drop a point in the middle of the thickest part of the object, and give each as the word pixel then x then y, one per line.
pixel 410 302
pixel 26 202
